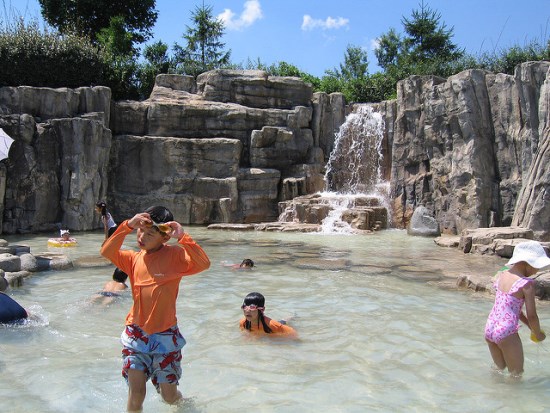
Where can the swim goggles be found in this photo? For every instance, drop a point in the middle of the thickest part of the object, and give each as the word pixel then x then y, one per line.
pixel 164 228
pixel 252 307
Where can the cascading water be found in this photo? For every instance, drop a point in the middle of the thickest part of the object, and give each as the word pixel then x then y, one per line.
pixel 355 197
pixel 354 165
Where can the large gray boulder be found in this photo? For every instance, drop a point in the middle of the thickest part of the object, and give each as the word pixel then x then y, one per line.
pixel 423 223
pixel 46 103
pixel 57 166
pixel 328 115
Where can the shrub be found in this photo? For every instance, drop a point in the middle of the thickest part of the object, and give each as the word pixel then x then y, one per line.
pixel 41 58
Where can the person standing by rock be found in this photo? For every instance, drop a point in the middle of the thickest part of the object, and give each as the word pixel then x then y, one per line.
pixel 513 289
pixel 109 225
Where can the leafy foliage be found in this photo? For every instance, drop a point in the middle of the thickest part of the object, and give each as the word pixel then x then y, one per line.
pixel 35 58
pixel 104 52
pixel 352 75
pixel 506 60
pixel 157 61
pixel 115 39
pixel 88 17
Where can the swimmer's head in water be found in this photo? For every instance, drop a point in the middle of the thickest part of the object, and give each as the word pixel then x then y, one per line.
pixel 254 299
pixel 247 263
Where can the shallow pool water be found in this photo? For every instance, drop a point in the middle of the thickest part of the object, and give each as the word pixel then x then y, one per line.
pixel 376 333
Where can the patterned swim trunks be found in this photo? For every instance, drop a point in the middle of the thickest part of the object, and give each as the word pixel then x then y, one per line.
pixel 157 355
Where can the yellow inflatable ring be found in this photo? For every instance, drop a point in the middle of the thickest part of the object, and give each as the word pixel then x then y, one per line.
pixel 57 242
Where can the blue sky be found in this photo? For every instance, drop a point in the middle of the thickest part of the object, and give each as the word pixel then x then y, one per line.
pixel 314 34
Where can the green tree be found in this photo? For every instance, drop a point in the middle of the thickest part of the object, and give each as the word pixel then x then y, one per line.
pixel 89 17
pixel 116 40
pixel 156 55
pixel 351 77
pixel 428 38
pixel 204 50
pixel 425 48
pixel 389 48
pixel 156 62
pixel 355 66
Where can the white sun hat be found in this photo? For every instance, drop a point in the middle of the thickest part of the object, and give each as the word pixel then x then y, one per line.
pixel 532 253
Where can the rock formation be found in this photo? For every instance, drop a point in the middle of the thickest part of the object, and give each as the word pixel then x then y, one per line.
pixel 229 146
pixel 57 166
pixel 472 149
pixel 226 149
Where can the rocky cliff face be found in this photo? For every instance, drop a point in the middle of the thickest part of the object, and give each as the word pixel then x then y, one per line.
pixel 57 166
pixel 229 146
pixel 473 148
pixel 224 148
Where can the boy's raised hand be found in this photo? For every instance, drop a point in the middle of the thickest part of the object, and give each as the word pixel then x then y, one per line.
pixel 141 220
pixel 177 230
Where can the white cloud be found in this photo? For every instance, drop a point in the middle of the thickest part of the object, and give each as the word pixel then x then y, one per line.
pixel 309 23
pixel 252 12
pixel 374 44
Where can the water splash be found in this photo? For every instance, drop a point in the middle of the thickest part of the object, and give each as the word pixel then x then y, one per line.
pixel 333 223
pixel 354 165
pixel 37 318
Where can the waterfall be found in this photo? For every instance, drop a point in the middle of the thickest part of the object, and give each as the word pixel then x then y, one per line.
pixel 355 198
pixel 354 165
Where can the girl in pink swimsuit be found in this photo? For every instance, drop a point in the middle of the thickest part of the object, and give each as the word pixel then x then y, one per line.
pixel 513 289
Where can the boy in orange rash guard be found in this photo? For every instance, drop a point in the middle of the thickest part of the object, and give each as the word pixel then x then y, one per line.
pixel 152 341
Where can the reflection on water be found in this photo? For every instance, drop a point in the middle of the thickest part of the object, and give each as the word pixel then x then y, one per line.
pixel 375 333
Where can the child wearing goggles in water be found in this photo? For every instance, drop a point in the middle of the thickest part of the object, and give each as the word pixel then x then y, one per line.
pixel 151 339
pixel 256 322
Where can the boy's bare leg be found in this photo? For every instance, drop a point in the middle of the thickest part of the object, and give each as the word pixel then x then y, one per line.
pixel 136 390
pixel 170 393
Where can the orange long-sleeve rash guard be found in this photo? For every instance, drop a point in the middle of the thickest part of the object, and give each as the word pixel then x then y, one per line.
pixel 276 327
pixel 155 277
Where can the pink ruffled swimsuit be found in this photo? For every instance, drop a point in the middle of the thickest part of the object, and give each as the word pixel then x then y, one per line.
pixel 503 320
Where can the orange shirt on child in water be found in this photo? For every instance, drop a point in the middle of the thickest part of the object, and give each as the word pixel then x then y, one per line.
pixel 276 328
pixel 155 277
